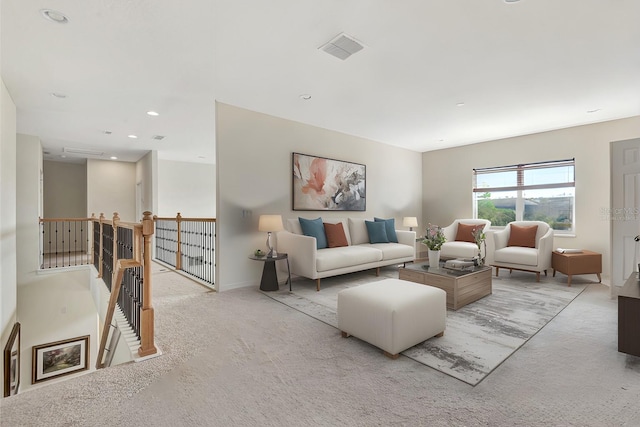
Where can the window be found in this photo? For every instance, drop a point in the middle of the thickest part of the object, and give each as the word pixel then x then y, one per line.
pixel 532 192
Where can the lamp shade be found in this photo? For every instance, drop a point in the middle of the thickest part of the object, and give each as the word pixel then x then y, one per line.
pixel 410 221
pixel 270 223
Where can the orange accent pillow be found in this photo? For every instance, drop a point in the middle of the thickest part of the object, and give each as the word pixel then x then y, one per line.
pixel 465 232
pixel 521 235
pixel 335 235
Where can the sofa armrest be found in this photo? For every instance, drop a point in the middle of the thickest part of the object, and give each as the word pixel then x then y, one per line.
pixel 501 238
pixel 545 248
pixel 407 238
pixel 450 231
pixel 302 251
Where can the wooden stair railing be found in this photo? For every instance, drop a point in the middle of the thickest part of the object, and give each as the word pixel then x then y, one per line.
pixel 142 258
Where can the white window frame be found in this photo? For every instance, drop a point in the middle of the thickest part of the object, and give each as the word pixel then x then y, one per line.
pixel 520 187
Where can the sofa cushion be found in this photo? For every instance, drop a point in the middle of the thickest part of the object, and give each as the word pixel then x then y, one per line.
pixel 292 225
pixel 346 256
pixel 358 231
pixel 459 250
pixel 394 250
pixel 335 235
pixel 465 232
pixel 524 236
pixel 377 232
pixel 516 255
pixel 390 225
pixel 314 228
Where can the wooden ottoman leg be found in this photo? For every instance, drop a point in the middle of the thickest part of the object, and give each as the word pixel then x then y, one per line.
pixel 391 356
pixel 345 335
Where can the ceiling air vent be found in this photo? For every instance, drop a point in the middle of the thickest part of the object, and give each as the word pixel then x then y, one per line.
pixel 158 137
pixel 83 152
pixel 342 46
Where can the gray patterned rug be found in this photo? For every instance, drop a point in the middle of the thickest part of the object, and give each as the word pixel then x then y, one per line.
pixel 478 337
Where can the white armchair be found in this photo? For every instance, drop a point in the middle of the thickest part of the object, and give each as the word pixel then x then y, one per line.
pixel 523 248
pixel 461 245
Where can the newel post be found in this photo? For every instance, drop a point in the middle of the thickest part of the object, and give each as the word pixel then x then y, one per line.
pixel 91 249
pixel 101 257
pixel 147 346
pixel 178 251
pixel 114 223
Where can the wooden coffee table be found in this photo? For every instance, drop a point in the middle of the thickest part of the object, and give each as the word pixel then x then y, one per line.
pixel 462 287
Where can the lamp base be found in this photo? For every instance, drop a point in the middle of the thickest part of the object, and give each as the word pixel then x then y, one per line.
pixel 272 252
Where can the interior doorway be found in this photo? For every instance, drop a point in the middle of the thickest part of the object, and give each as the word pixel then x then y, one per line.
pixel 624 213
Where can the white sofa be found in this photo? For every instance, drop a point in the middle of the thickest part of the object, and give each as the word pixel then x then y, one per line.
pixel 307 261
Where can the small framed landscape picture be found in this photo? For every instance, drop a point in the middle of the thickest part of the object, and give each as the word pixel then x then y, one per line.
pixel 60 358
pixel 11 361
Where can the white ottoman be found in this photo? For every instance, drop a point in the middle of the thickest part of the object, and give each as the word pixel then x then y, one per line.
pixel 392 314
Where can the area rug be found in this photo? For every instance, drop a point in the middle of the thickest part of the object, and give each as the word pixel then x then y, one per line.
pixel 478 337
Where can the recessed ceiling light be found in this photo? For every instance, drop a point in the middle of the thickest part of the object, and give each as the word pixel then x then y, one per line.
pixel 113 158
pixel 511 1
pixel 153 113
pixel 460 104
pixel 305 96
pixel 58 95
pixel 132 136
pixel 63 156
pixel 54 16
pixel 593 111
pixel 201 157
pixel 107 132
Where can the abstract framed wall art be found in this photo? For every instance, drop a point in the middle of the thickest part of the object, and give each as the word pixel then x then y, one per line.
pixel 11 362
pixel 322 184
pixel 60 358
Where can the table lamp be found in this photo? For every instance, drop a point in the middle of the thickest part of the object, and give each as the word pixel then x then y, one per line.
pixel 270 223
pixel 410 221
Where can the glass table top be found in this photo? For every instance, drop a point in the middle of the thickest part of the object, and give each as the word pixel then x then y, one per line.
pixel 423 266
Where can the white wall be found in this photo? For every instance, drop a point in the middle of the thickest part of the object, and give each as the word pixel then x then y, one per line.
pixel 59 202
pixel 52 307
pixel 188 188
pixel 28 206
pixel 448 177
pixel 8 274
pixel 111 187
pixel 254 174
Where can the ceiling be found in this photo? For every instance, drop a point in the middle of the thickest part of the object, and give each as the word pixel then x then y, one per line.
pixel 432 74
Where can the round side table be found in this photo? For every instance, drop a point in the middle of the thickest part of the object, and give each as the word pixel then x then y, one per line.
pixel 269 281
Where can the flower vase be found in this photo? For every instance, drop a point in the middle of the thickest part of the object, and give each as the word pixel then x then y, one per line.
pixel 434 259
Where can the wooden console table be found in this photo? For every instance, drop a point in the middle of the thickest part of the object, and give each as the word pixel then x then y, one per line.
pixel 629 316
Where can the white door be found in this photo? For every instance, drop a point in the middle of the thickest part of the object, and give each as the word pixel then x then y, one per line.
pixel 624 212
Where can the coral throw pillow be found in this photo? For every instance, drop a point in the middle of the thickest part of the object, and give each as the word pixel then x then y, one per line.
pixel 524 236
pixel 465 232
pixel 335 235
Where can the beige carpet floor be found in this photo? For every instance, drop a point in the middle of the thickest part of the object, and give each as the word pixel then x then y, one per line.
pixel 239 358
